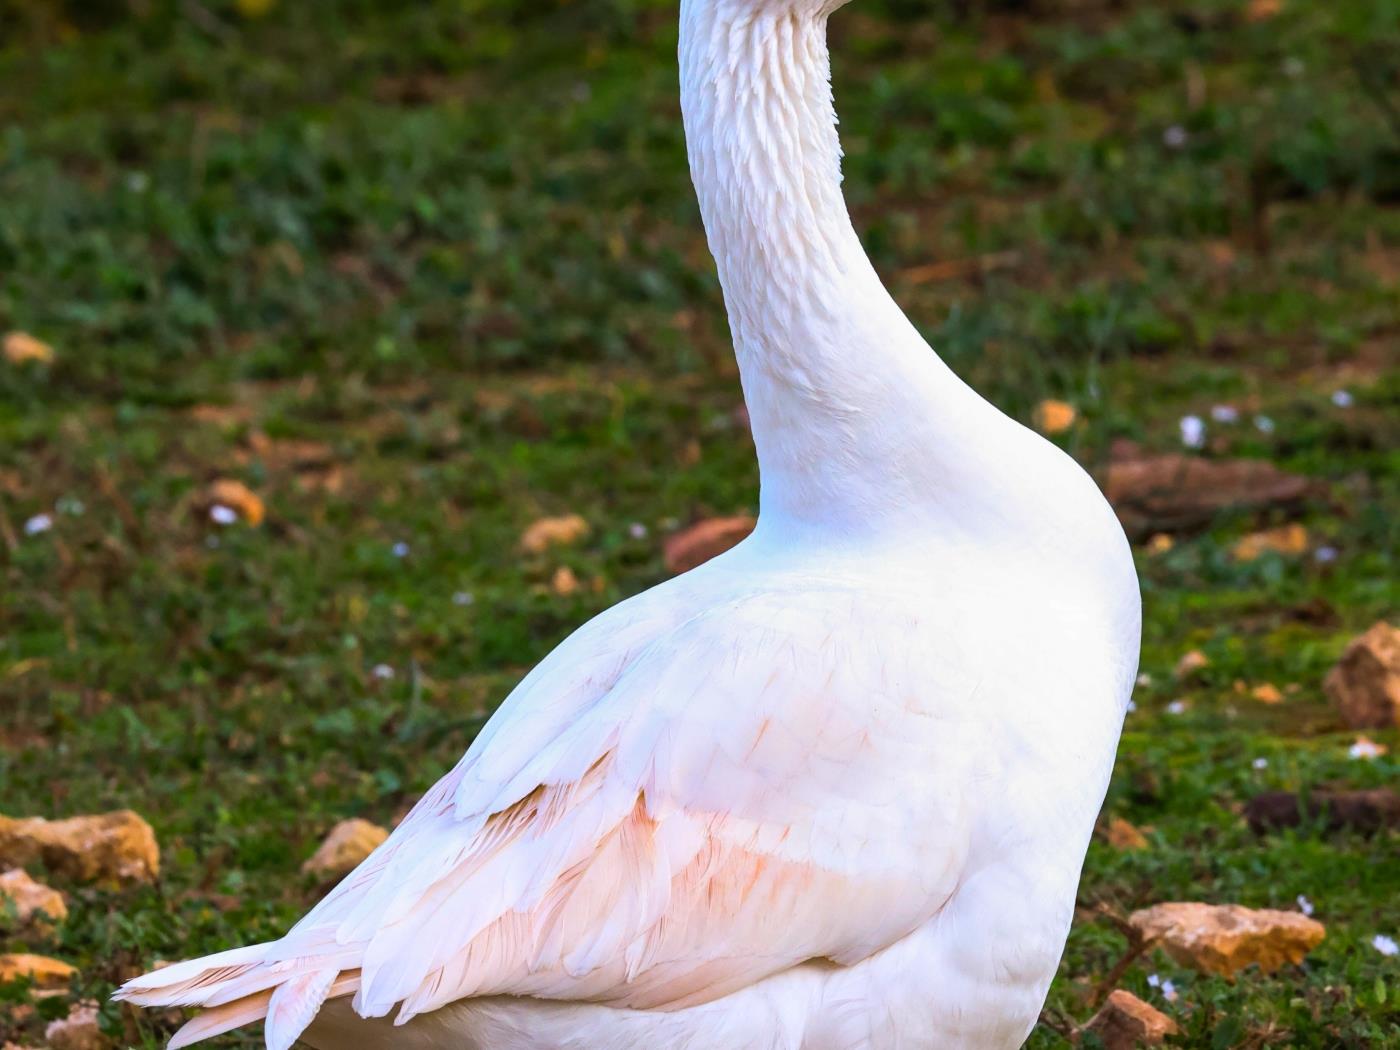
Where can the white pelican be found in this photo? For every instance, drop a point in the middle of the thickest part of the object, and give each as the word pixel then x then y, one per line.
pixel 831 790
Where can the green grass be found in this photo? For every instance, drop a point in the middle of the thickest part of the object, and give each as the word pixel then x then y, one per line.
pixel 439 267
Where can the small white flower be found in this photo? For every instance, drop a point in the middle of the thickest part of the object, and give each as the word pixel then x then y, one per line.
pixel 400 549
pixel 1174 137
pixel 1144 679
pixel 70 505
pixel 1261 763
pixel 1225 413
pixel 1304 905
pixel 1385 945
pixel 37 524
pixel 1325 555
pixel 1293 67
pixel 1132 706
pixel 1153 981
pixel 221 515
pixel 1169 990
pixel 138 181
pixel 1365 748
pixel 1193 431
pixel 463 598
pixel 1264 424
pixel 637 530
pixel 383 672
pixel 1343 398
pixel 1176 707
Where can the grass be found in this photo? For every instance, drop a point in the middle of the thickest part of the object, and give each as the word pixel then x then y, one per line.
pixel 419 274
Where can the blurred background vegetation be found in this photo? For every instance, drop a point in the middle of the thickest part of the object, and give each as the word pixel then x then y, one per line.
pixel 418 274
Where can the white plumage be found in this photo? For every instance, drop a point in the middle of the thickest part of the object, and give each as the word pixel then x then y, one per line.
pixel 831 790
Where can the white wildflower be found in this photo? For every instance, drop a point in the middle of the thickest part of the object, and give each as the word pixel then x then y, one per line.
pixel 1304 905
pixel 400 549
pixel 1176 707
pixel 1343 398
pixel 70 505
pixel 1325 555
pixel 221 515
pixel 1132 706
pixel 1264 424
pixel 1385 945
pixel 37 524
pixel 1175 137
pixel 1366 748
pixel 1193 431
pixel 463 598
pixel 637 530
pixel 1225 413
pixel 383 672
pixel 1144 679
pixel 1261 763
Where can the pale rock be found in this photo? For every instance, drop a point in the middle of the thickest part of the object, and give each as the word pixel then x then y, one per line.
pixel 1226 938
pixel 237 497
pixel 553 532
pixel 32 904
pixel 348 843
pixel 107 847
pixel 46 974
pixel 1054 417
pixel 78 1031
pixel 704 540
pixel 1125 1022
pixel 1286 539
pixel 1122 835
pixel 1365 684
pixel 1190 663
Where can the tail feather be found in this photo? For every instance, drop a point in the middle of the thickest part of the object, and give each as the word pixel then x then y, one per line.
pixel 293 1006
pixel 246 985
pixel 222 1019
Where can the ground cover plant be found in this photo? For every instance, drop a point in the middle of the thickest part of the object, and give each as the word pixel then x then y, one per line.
pixel 418 275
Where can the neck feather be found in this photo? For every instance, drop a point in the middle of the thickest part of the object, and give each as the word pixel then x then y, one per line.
pixel 855 420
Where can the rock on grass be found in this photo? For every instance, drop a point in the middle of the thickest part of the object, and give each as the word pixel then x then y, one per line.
pixel 78 1031
pixel 115 847
pixel 1170 493
pixel 27 904
pixel 1226 938
pixel 1366 811
pixel 1125 1022
pixel 704 540
pixel 348 843
pixel 46 974
pixel 1365 684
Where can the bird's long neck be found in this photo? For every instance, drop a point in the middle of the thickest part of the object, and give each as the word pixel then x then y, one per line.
pixel 854 418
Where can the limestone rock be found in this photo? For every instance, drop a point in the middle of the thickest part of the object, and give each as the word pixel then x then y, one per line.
pixel 1365 684
pixel 553 532
pixel 1287 539
pixel 31 903
pixel 237 497
pixel 349 842
pixel 47 974
pixel 1122 835
pixel 704 540
pixel 1126 1022
pixel 77 1031
pixel 1054 417
pixel 108 847
pixel 1226 938
pixel 20 348
pixel 1367 811
pixel 1169 493
pixel 1190 663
